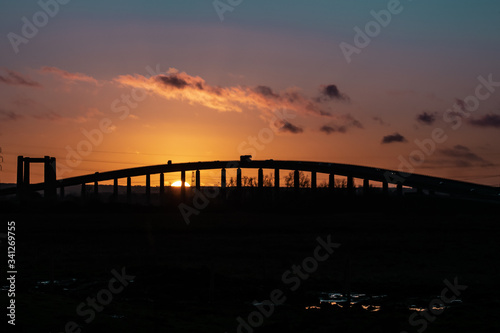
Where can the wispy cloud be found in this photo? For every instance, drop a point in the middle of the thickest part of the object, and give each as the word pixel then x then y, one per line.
pixel 15 79
pixel 290 128
pixel 396 137
pixel 341 124
pixel 195 90
pixel 489 120
pixel 67 76
pixel 380 121
pixel 460 156
pixel 9 115
pixel 426 118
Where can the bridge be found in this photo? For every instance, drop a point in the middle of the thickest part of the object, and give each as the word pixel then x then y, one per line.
pixel 367 174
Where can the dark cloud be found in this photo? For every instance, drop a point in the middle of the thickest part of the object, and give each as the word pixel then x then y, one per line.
pixel 462 156
pixel 15 79
pixel 174 81
pixel 331 129
pixel 426 118
pixel 489 120
pixel 9 115
pixel 341 125
pixel 329 92
pixel 266 91
pixel 289 127
pixel 396 137
pixel 380 121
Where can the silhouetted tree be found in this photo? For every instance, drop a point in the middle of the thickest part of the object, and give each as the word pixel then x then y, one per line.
pixel 248 181
pixel 340 183
pixel 268 180
pixel 323 184
pixel 304 180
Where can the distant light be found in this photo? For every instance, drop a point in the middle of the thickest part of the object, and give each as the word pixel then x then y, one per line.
pixel 179 184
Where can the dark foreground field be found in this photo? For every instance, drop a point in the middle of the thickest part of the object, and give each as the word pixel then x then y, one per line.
pixel 203 276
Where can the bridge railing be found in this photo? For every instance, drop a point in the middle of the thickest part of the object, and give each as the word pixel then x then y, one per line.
pixel 367 174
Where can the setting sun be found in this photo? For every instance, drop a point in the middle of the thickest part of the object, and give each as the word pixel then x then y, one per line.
pixel 179 183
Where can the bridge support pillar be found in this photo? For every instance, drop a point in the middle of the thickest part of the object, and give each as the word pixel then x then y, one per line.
pixel 61 192
pixel 50 188
pixel 260 179
pixel 238 178
pixel 276 184
pixel 313 180
pixel 129 189
pixel 20 170
pixel 296 179
pixel 183 185
pixel 385 187
pixel 366 186
pixel 115 189
pixel 399 189
pixel 96 185
pixel 331 181
pixel 198 180
pixel 350 184
pixel 148 188
pixel 162 187
pixel 83 191
pixel 223 182
pixel 277 178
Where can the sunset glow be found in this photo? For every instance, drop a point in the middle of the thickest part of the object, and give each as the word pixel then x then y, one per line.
pixel 186 82
pixel 179 184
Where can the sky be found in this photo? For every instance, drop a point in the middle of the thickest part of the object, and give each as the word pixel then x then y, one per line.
pixel 410 85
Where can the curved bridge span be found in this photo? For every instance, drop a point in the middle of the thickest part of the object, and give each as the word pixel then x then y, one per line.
pixel 367 174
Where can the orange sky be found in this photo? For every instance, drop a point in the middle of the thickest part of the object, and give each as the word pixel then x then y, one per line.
pixel 196 89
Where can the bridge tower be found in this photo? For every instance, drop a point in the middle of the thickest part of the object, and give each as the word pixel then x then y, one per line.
pixel 23 176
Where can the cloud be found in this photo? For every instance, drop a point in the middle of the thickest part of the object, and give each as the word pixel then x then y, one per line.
pixel 426 118
pixel 92 113
pixel 332 92
pixel 290 128
pixel 71 77
pixel 266 91
pixel 489 120
pixel 380 121
pixel 177 85
pixel 330 129
pixel 461 156
pixel 396 137
pixel 341 124
pixel 51 115
pixel 15 79
pixel 9 115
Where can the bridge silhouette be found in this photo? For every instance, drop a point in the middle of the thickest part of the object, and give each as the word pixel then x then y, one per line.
pixel 368 174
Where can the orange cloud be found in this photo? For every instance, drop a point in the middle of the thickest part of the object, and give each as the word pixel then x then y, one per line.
pixel 195 90
pixel 72 77
pixel 15 79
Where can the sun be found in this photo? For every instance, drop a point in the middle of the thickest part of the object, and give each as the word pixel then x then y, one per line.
pixel 179 183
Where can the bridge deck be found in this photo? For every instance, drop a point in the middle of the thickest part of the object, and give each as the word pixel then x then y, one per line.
pixel 369 173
